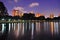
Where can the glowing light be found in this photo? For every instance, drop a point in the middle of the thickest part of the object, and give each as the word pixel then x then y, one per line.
pixel 23 29
pixel 51 15
pixel 56 31
pixel 32 30
pixel 3 19
pixel 14 26
pixel 52 27
pixel 37 27
pixel 2 28
pixel 20 14
pixel 9 27
pixel 15 12
pixel 37 15
pixel 16 31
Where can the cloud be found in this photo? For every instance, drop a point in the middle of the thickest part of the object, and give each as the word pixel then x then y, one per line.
pixel 16 1
pixel 21 9
pixel 34 4
pixel 18 8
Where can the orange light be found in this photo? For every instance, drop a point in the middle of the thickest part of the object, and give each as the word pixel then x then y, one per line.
pixel 15 12
pixel 51 15
pixel 37 15
pixel 20 14
pixel 52 27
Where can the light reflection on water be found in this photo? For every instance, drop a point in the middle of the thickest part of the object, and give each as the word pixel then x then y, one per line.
pixel 3 28
pixel 56 31
pixel 52 27
pixel 34 28
pixel 32 32
pixel 37 27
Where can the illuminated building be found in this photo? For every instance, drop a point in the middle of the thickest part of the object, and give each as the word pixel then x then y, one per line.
pixel 15 12
pixel 51 15
pixel 21 14
pixel 38 15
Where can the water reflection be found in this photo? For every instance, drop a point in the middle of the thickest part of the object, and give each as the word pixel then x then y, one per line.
pixel 30 30
pixel 52 27
pixel 56 31
pixel 37 27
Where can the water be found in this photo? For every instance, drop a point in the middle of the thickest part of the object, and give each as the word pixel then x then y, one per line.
pixel 31 31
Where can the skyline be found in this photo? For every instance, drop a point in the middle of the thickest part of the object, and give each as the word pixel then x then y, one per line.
pixel 42 6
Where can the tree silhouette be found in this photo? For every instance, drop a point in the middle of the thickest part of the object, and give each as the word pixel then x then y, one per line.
pixel 3 10
pixel 28 16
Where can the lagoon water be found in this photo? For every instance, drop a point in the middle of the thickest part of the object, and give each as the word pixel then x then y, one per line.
pixel 31 31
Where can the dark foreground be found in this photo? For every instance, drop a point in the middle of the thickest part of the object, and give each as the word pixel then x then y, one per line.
pixel 28 36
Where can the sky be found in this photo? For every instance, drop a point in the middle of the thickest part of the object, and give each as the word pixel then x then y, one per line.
pixel 45 7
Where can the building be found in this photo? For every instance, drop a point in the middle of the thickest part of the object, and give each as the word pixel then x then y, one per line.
pixel 21 14
pixel 15 12
pixel 51 15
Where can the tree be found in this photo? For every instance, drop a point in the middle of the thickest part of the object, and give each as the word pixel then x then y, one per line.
pixel 3 10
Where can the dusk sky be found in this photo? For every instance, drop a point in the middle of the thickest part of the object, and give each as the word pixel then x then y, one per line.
pixel 42 6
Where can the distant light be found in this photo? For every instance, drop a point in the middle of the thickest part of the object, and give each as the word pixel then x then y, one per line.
pixel 9 19
pixel 3 19
pixel 37 15
pixel 51 15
